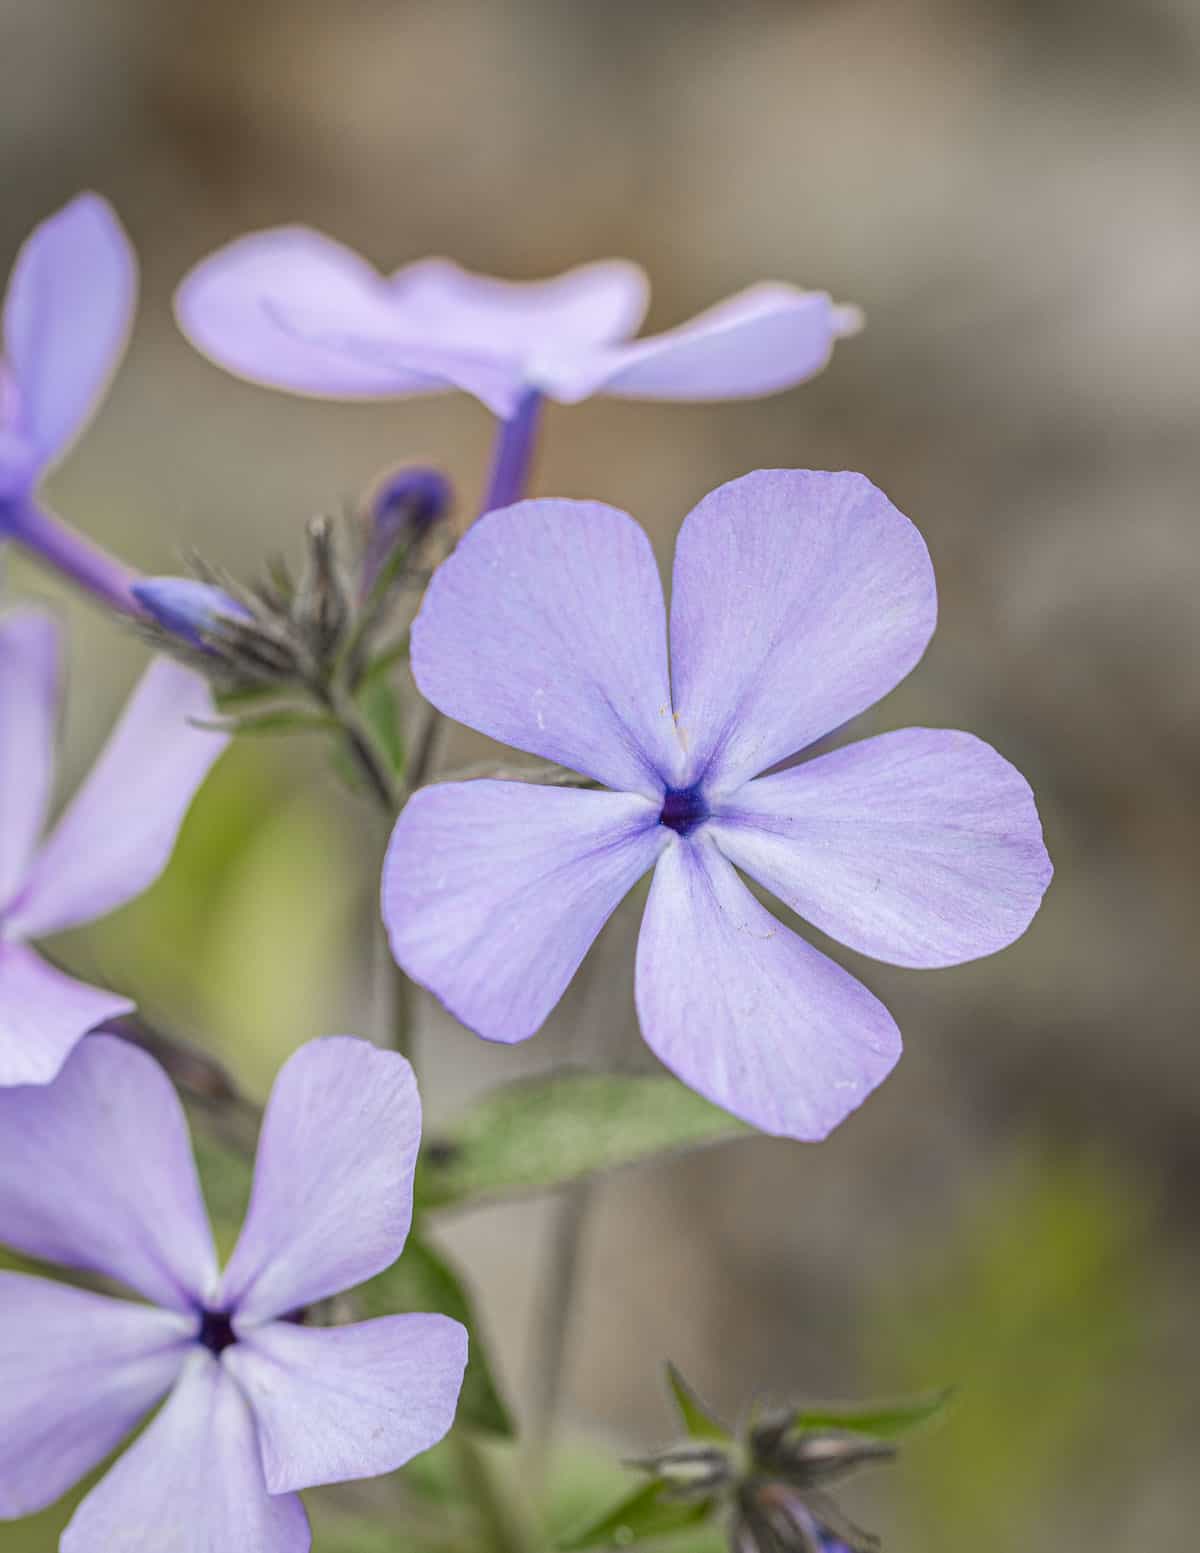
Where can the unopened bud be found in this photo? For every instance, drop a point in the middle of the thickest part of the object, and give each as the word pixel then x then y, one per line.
pixel 190 609
pixel 403 511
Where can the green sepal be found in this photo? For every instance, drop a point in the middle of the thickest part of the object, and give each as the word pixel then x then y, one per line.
pixel 883 1420
pixel 698 1422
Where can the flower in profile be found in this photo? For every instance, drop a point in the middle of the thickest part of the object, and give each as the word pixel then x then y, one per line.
pixel 67 315
pixel 111 843
pixel 96 1174
pixel 799 599
pixel 292 309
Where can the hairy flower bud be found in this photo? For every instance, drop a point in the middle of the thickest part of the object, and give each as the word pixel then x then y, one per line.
pixel 403 511
pixel 187 607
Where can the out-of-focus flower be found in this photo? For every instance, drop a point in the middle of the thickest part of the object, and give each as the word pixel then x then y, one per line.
pixel 96 1174
pixel 67 314
pixel 292 309
pixel 111 843
pixel 799 599
pixel 405 509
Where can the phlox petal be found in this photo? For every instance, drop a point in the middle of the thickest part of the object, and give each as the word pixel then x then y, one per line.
pixel 192 1483
pixel 921 847
pixel 44 1014
pixel 546 630
pixel 118 833
pixel 30 674
pixel 334 1404
pixel 764 339
pixel 800 598
pixel 746 1012
pixel 96 1172
pixel 66 319
pixel 80 1370
pixel 493 892
pixel 332 1198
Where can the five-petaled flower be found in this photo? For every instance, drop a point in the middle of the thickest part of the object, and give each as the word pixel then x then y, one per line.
pixel 799 599
pixel 111 843
pixel 96 1174
pixel 292 309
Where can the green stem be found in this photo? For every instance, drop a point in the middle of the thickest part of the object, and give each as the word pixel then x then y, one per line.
pixel 554 1328
pixel 507 1528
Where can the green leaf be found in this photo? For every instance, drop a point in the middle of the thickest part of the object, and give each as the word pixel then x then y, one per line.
pixel 697 1420
pixel 543 1132
pixel 423 1280
pixel 647 1513
pixel 884 1420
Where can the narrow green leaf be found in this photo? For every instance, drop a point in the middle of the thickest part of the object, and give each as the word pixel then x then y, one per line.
pixel 423 1280
pixel 647 1513
pixel 539 1133
pixel 697 1420
pixel 884 1420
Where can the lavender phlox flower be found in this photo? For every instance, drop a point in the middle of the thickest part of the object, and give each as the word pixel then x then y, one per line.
pixel 67 315
pixel 292 309
pixel 96 1174
pixel 799 599
pixel 110 844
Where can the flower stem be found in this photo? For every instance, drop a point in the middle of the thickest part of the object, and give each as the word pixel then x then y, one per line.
pixel 512 455
pixel 59 547
pixel 506 1526
pixel 553 1327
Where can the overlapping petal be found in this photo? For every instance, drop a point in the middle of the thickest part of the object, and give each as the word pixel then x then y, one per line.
pixel 765 339
pixel 44 1014
pixel 493 892
pixel 592 304
pixel 29 698
pixel 118 833
pixel 236 307
pixel 921 847
pixel 800 598
pixel 192 1483
pixel 96 1172
pixel 66 320
pixel 746 1012
pixel 546 630
pixel 334 1404
pixel 332 1199
pixel 80 1370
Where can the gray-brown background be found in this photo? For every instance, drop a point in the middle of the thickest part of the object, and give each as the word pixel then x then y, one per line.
pixel 1010 191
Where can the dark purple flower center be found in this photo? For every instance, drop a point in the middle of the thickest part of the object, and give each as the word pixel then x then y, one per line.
pixel 683 809
pixel 216 1330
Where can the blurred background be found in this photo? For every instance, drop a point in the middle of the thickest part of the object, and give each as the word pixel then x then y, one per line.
pixel 1008 188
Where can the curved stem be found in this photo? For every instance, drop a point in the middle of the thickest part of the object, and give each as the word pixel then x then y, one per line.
pixel 58 546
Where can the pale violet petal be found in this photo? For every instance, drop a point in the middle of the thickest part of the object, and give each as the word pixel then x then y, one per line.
pixel 30 674
pixel 546 630
pixel 193 1483
pixel 96 1173
pixel 921 847
pixel 800 598
pixel 67 316
pixel 118 832
pixel 80 1370
pixel 44 1014
pixel 332 1198
pixel 493 892
pixel 335 1404
pixel 747 1013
